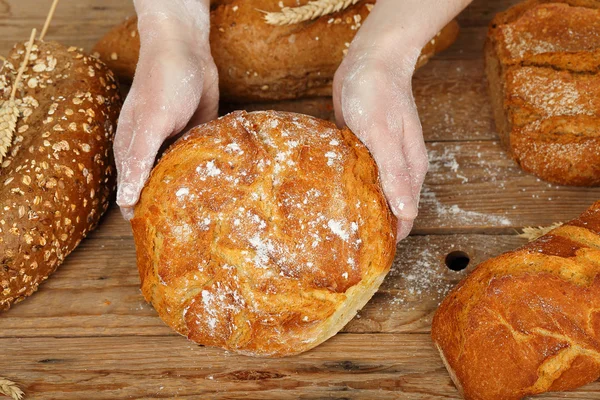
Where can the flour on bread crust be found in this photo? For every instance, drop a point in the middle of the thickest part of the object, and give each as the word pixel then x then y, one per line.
pixel 263 233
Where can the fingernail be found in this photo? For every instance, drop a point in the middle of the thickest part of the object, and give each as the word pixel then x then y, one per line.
pixel 404 229
pixel 127 195
pixel 127 213
pixel 405 208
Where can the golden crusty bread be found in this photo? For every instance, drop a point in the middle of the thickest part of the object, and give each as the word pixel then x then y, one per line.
pixel 58 176
pixel 543 66
pixel 528 321
pixel 257 61
pixel 263 233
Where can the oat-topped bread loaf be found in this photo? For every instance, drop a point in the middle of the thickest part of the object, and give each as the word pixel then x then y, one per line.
pixel 543 66
pixel 57 176
pixel 528 321
pixel 263 233
pixel 259 61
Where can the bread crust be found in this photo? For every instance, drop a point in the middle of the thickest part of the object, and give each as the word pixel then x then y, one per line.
pixel 527 322
pixel 263 233
pixel 58 177
pixel 260 62
pixel 543 68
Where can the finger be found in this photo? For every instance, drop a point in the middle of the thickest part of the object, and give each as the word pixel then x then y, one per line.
pixel 140 147
pixel 165 94
pixel 127 213
pixel 404 229
pixel 415 151
pixel 396 179
pixel 208 108
pixel 369 119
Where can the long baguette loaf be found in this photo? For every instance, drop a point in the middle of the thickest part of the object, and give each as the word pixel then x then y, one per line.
pixel 543 66
pixel 258 61
pixel 57 177
pixel 527 322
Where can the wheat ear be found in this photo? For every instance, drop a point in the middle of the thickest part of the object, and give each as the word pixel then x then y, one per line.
pixel 533 233
pixel 48 19
pixel 9 112
pixel 314 9
pixel 10 389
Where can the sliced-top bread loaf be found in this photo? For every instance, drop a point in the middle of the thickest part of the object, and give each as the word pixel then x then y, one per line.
pixel 543 65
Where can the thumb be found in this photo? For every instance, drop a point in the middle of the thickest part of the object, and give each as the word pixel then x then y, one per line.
pixel 165 94
pixel 139 137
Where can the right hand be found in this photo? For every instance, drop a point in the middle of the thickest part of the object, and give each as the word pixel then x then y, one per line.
pixel 175 85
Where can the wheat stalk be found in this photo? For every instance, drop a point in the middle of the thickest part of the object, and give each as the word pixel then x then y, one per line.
pixel 9 112
pixel 314 9
pixel 48 19
pixel 10 389
pixel 533 233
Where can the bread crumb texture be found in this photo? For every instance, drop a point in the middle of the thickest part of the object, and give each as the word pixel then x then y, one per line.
pixel 544 67
pixel 57 176
pixel 263 233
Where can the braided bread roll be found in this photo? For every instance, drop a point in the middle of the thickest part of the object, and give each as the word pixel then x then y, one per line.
pixel 263 233
pixel 528 321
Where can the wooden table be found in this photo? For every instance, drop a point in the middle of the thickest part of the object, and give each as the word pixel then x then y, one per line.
pixel 88 334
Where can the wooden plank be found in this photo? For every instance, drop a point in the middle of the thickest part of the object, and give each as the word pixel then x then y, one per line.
pixel 76 23
pixel 89 334
pixel 402 366
pixel 480 13
pixel 96 292
pixel 475 187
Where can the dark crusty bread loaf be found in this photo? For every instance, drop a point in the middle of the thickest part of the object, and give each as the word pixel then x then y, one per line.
pixel 543 66
pixel 58 175
pixel 528 321
pixel 263 233
pixel 257 61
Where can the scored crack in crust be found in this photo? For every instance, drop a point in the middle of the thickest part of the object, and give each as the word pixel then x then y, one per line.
pixel 543 67
pixel 58 175
pixel 263 233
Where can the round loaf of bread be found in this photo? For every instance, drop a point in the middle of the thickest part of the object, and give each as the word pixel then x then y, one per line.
pixel 263 233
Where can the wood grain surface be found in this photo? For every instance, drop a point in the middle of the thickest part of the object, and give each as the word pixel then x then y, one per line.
pixel 88 334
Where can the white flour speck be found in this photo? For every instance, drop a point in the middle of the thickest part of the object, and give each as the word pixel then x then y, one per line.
pixel 336 228
pixel 211 169
pixel 234 147
pixel 331 157
pixel 182 192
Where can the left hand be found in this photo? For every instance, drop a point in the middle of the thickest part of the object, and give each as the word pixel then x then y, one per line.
pixel 372 95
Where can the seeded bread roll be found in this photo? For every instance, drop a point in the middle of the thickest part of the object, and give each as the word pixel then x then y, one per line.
pixel 57 177
pixel 528 321
pixel 258 61
pixel 543 66
pixel 263 233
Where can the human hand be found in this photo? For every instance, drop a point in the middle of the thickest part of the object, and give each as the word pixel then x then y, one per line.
pixel 373 97
pixel 175 85
pixel 372 94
